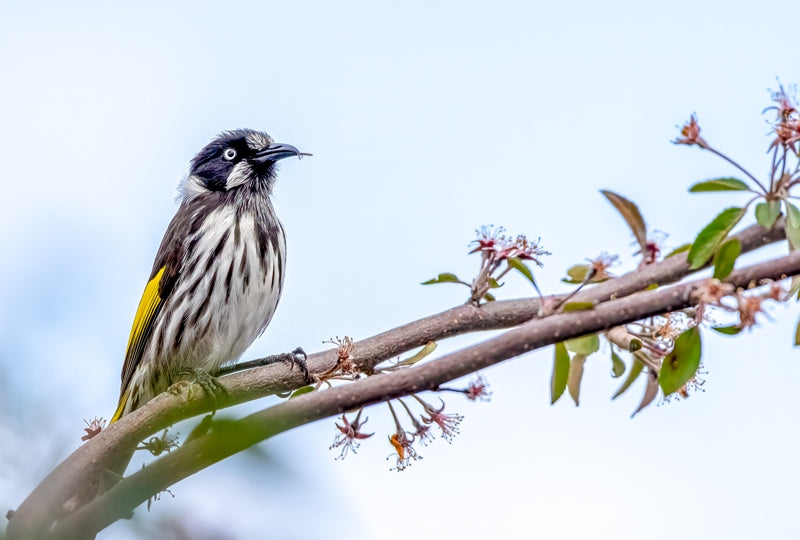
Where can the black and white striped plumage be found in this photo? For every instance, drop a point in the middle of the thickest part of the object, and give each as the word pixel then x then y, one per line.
pixel 218 273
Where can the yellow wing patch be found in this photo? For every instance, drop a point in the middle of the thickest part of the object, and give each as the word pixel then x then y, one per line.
pixel 123 400
pixel 144 313
pixel 140 332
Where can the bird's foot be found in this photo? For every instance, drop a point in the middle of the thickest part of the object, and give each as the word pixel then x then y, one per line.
pixel 297 357
pixel 214 389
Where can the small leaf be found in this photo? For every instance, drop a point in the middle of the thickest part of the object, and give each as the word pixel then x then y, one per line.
pixel 792 226
pixel 712 236
pixel 575 376
pixel 727 330
pixel 489 297
pixel 558 380
pixel 767 213
pixel 200 429
pixel 793 215
pixel 445 277
pixel 650 391
pixel 585 345
pixel 679 249
pixel 726 258
pixel 719 184
pixel 578 273
pixel 301 391
pixel 522 268
pixel 797 335
pixel 578 306
pixel 792 235
pixel 633 373
pixel 617 365
pixel 493 283
pixel 427 349
pixel 634 345
pixel 681 364
pixel 630 213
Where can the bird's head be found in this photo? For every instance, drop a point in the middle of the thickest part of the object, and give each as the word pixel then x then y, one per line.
pixel 236 158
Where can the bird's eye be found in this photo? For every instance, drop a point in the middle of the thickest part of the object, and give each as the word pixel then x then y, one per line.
pixel 229 154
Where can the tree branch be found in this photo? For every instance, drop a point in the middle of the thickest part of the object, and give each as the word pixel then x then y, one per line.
pixel 60 492
pixel 237 436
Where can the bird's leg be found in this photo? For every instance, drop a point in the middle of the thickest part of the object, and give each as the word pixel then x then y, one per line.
pixel 297 358
pixel 209 383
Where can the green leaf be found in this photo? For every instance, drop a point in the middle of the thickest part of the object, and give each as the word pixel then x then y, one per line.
pixel 797 335
pixel 630 213
pixel 633 373
pixel 792 235
pixel 200 429
pixel 558 381
pixel 301 391
pixel 577 274
pixel 726 258
pixel 681 364
pixel 712 236
pixel 719 184
pixel 727 330
pixel 650 391
pixel 792 225
pixel 767 213
pixel 578 306
pixel 617 365
pixel 679 249
pixel 522 268
pixel 793 215
pixel 585 345
pixel 575 376
pixel 493 283
pixel 445 277
pixel 489 297
pixel 634 345
pixel 427 349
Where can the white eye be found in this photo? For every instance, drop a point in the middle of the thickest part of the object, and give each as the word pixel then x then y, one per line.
pixel 229 154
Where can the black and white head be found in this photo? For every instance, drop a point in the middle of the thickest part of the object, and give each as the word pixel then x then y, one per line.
pixel 236 160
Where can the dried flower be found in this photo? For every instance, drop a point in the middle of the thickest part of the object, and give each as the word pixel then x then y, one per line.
pixel 93 428
pixel 691 134
pixel 478 389
pixel 403 449
pixel 349 435
pixel 488 238
pixel 710 294
pixel 787 126
pixel 448 423
pixel 749 306
pixel 160 444
pixel 598 267
pixel 344 362
pixel 421 431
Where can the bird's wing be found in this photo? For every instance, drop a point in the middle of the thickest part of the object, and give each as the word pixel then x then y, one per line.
pixel 143 323
pixel 156 292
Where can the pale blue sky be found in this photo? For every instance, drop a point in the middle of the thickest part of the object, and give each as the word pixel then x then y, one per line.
pixel 426 121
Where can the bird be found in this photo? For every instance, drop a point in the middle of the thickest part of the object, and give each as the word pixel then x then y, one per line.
pixel 218 272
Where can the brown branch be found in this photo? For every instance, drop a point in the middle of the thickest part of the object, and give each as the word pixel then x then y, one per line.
pixel 241 434
pixel 47 502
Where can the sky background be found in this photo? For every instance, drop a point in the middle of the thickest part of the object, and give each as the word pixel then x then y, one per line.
pixel 426 121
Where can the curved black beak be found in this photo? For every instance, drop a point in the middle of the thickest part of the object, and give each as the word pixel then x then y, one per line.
pixel 277 151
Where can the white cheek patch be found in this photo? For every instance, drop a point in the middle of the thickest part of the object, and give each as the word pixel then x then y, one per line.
pixel 191 187
pixel 240 173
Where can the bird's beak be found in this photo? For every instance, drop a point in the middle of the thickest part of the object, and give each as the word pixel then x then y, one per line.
pixel 277 151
